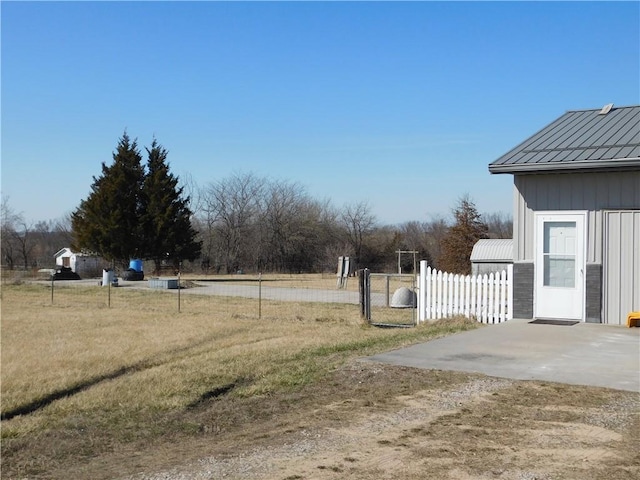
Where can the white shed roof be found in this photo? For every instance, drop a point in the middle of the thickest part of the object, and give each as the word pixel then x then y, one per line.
pixel 67 251
pixel 62 251
pixel 492 250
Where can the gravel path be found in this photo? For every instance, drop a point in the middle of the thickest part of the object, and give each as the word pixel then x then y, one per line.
pixel 331 445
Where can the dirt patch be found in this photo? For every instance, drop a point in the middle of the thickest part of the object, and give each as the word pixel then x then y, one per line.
pixel 370 421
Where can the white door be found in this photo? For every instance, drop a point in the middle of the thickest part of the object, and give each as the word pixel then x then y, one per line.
pixel 560 265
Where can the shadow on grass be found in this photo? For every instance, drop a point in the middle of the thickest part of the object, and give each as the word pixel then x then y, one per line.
pixel 216 393
pixel 65 392
pixel 35 405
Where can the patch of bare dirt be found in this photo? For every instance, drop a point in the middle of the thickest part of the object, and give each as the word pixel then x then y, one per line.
pixel 395 423
pixel 369 421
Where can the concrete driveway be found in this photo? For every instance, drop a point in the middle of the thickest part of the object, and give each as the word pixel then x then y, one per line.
pixel 581 354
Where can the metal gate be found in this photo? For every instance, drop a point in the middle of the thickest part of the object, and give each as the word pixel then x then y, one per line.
pixel 388 300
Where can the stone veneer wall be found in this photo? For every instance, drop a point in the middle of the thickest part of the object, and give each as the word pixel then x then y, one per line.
pixel 593 286
pixel 523 290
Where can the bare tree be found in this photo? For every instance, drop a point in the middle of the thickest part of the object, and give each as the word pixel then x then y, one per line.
pixel 379 249
pixel 193 192
pixel 18 239
pixel 500 225
pixel 25 239
pixel 50 236
pixel 284 224
pixel 331 232
pixel 415 238
pixel 62 228
pixel 358 222
pixel 43 252
pixel 195 196
pixel 436 230
pixel 31 244
pixel 261 224
pixel 231 208
pixel 9 222
pixel 413 235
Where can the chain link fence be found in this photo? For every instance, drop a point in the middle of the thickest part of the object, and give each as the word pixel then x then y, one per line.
pixel 388 299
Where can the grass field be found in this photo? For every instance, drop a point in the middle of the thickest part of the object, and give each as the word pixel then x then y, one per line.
pixel 82 381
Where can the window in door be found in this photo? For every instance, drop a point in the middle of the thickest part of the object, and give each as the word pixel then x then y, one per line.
pixel 559 254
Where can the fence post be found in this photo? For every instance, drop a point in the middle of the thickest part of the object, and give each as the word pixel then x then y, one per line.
pixel 449 294
pixel 414 287
pixel 473 310
pixel 365 294
pixel 361 292
pixel 386 290
pixel 422 291
pixel 429 302
pixel 440 284
pixel 491 302
pixel 485 295
pixel 368 294
pixel 454 294
pixel 503 296
pixel 259 295
pixel 510 292
pixel 467 296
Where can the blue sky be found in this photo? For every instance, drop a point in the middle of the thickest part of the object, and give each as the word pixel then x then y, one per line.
pixel 402 105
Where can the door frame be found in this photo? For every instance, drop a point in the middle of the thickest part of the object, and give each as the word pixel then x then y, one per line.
pixel 560 215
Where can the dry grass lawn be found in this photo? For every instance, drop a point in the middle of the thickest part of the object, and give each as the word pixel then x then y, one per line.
pixel 136 389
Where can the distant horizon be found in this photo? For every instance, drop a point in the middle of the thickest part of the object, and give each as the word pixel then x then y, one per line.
pixel 446 215
pixel 400 105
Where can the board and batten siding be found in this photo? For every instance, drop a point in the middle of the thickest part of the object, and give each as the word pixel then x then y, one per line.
pixel 621 265
pixel 591 192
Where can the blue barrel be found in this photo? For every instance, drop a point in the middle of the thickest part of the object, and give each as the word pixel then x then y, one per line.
pixel 135 264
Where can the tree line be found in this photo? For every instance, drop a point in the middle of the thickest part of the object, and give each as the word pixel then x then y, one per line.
pixel 240 223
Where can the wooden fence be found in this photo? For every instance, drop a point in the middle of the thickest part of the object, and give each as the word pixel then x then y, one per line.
pixel 487 298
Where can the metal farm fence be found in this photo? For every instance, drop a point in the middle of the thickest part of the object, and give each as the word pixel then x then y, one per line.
pixel 269 296
pixel 388 299
pixel 377 298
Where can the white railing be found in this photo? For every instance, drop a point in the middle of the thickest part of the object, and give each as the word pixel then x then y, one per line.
pixel 487 298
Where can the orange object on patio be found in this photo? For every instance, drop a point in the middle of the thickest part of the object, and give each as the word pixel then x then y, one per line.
pixel 633 319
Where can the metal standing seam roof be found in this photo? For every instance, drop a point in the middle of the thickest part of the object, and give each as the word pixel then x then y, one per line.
pixel 579 139
pixel 492 250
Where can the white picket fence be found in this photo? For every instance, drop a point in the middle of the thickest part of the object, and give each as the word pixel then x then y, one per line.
pixel 487 298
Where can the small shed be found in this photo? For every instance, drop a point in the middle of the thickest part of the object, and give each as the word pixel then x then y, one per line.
pixel 83 264
pixel 491 255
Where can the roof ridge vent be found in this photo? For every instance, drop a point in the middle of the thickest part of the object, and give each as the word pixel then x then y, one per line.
pixel 606 109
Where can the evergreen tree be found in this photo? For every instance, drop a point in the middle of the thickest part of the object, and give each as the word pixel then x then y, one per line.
pixel 461 237
pixel 107 222
pixel 166 217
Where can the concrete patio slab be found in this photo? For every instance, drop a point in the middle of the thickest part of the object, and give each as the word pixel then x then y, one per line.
pixel 581 354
